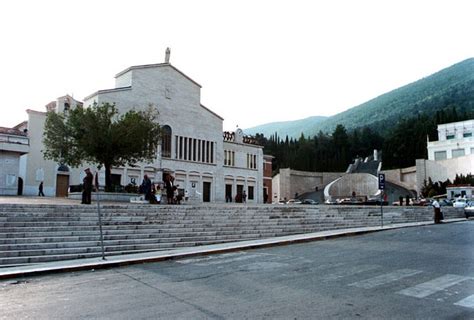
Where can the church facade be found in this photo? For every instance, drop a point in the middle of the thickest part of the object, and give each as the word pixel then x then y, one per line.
pixel 207 164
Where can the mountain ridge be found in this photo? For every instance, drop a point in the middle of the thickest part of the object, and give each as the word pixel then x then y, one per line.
pixel 451 86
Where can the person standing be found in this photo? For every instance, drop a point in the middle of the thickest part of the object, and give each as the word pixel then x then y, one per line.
pixel 169 189
pixel 437 211
pixel 146 184
pixel 244 197
pixel 40 190
pixel 87 187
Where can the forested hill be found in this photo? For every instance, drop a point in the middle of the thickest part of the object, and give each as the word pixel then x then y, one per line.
pixel 453 86
pixel 290 128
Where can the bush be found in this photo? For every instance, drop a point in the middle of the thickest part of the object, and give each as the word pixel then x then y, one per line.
pixel 75 188
pixel 131 188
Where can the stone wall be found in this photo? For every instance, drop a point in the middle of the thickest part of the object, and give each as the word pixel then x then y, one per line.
pixel 443 169
pixel 290 182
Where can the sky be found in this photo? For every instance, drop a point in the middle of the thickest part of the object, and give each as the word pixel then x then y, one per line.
pixel 257 61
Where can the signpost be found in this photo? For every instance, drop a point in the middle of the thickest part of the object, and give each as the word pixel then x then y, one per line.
pixel 381 188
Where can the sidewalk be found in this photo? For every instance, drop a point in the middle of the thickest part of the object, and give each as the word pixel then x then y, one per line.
pixel 115 261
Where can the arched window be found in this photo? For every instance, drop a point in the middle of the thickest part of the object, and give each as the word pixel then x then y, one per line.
pixel 166 141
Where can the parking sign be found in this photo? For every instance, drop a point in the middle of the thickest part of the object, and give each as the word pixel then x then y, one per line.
pixel 382 181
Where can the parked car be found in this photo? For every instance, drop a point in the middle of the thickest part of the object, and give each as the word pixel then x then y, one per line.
pixel 469 209
pixel 460 203
pixel 446 203
pixel 309 201
pixel 293 201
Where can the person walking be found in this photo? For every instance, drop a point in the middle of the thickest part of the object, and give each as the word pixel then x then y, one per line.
pixel 40 190
pixel 244 197
pixel 87 187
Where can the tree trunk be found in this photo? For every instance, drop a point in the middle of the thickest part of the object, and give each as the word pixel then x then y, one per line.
pixel 108 177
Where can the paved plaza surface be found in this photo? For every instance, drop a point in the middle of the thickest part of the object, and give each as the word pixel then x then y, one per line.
pixel 424 272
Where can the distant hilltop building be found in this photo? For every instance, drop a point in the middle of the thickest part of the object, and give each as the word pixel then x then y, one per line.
pixel 207 164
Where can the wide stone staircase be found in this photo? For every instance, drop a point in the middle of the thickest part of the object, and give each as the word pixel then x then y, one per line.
pixel 41 233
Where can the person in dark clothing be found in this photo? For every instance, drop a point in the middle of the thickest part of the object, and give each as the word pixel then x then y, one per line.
pixel 40 190
pixel 146 185
pixel 169 189
pixel 87 187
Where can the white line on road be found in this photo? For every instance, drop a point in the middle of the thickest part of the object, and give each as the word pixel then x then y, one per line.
pixel 467 302
pixel 428 288
pixel 385 278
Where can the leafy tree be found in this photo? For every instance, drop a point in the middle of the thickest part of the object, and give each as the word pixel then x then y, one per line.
pixel 100 135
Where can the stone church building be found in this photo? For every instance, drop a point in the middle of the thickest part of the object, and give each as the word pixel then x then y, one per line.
pixel 208 164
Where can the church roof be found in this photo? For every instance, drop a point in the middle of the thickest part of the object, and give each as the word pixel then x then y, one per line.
pixel 12 131
pixel 209 110
pixel 157 65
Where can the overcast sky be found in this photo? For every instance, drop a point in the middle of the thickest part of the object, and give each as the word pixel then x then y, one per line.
pixel 257 61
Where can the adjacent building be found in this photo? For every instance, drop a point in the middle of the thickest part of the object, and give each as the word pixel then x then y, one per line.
pixel 452 154
pixel 455 140
pixel 14 143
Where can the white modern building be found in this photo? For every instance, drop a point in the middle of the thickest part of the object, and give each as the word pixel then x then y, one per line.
pixel 452 154
pixel 455 140
pixel 207 163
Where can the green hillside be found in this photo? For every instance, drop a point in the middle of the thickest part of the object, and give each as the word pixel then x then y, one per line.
pixel 453 86
pixel 290 128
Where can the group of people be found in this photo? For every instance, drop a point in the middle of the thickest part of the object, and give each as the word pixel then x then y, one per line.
pixel 154 194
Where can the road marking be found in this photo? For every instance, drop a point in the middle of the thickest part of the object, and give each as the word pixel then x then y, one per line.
pixel 350 272
pixel 467 302
pixel 385 278
pixel 428 288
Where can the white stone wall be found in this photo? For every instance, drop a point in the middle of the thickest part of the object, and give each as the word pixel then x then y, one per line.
pixel 442 170
pixel 9 166
pixel 38 169
pixel 405 177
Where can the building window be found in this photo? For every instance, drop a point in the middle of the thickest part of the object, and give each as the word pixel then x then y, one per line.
pixel 176 154
pixel 199 150
pixel 450 136
pixel 467 134
pixel 250 193
pixel 229 158
pixel 251 161
pixel 212 152
pixel 458 153
pixel 194 149
pixel 203 151
pixel 166 142
pixel 440 155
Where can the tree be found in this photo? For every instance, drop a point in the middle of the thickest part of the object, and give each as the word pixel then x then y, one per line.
pixel 100 135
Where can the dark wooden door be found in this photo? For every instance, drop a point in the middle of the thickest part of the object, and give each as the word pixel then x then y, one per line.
pixel 206 192
pixel 62 185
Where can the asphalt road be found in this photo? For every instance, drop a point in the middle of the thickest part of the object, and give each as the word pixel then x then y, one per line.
pixel 412 273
